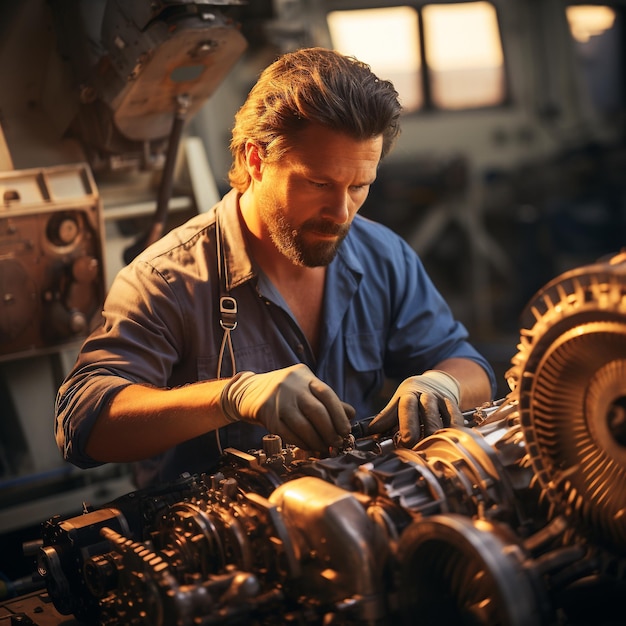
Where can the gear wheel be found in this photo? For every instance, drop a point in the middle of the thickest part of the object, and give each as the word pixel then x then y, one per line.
pixel 569 377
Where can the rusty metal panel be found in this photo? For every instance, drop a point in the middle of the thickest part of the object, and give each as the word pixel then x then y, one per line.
pixel 51 258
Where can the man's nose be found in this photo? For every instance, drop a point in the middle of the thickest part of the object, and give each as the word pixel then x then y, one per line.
pixel 338 207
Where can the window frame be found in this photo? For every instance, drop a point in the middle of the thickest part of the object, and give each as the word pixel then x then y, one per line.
pixel 428 106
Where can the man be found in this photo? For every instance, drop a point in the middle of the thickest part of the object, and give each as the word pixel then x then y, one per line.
pixel 280 309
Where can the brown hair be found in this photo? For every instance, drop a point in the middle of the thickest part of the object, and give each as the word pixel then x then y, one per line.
pixel 312 85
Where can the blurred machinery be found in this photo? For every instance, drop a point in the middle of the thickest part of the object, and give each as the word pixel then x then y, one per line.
pixel 94 105
pixel 517 519
pixel 153 60
pixel 51 274
pixel 137 72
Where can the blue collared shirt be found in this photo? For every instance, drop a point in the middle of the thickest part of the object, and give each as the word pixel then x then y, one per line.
pixel 382 319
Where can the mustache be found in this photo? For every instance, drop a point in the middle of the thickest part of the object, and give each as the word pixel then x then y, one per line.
pixel 324 227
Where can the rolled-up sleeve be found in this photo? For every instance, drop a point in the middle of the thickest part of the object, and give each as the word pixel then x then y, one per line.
pixel 79 402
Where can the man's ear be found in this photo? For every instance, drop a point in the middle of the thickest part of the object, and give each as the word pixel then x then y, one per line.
pixel 254 161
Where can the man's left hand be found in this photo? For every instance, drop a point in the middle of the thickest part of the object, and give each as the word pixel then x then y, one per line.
pixel 420 406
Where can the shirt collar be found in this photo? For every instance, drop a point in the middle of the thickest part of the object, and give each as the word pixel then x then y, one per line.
pixel 347 252
pixel 238 265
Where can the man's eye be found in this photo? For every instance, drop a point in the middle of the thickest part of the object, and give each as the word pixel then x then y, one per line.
pixel 318 185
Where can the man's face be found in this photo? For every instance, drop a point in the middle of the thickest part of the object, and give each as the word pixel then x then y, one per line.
pixel 308 199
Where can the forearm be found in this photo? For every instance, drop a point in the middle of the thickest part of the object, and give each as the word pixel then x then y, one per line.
pixel 473 381
pixel 140 422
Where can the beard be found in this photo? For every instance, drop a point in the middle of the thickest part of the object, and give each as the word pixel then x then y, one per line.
pixel 292 242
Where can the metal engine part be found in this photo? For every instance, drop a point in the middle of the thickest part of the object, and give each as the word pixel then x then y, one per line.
pixel 51 269
pixel 131 63
pixel 517 519
pixel 570 377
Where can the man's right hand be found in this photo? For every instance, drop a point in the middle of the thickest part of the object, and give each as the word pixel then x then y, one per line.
pixel 291 403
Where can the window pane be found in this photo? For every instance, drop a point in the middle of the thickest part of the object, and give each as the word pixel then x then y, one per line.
pixel 587 21
pixel 597 34
pixel 464 54
pixel 387 40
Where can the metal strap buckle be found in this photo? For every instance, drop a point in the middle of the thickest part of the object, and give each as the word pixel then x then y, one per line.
pixel 228 313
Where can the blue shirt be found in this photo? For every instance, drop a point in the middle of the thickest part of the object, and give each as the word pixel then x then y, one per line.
pixel 382 318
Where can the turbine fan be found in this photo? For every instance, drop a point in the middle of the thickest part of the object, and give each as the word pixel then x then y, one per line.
pixel 569 377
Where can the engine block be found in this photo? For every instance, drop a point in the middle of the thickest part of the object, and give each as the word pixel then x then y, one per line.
pixel 519 518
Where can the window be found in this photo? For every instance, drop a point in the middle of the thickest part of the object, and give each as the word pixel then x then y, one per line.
pixel 587 21
pixel 443 56
pixel 386 39
pixel 464 54
pixel 597 35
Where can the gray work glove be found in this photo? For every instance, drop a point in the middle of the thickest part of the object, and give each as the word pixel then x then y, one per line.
pixel 420 406
pixel 291 403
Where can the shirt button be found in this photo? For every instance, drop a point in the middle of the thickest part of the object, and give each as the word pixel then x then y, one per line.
pixel 300 349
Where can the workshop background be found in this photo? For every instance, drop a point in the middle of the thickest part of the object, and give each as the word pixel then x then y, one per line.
pixel 511 169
